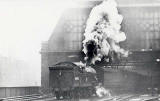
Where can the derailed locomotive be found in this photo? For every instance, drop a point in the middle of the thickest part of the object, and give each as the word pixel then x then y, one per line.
pixel 70 81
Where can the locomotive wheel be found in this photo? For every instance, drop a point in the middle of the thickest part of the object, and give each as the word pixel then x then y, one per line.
pixel 87 92
pixel 67 94
pixel 71 94
pixel 82 92
pixel 76 93
pixel 57 94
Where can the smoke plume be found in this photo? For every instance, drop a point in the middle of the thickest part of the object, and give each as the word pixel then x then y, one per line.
pixel 102 34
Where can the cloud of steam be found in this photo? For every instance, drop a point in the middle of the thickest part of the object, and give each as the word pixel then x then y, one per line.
pixel 101 91
pixel 102 33
pixel 88 69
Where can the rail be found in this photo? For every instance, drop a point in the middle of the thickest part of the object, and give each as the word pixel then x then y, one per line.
pixel 24 98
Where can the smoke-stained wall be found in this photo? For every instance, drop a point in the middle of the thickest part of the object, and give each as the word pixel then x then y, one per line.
pixel 67 36
pixel 141 25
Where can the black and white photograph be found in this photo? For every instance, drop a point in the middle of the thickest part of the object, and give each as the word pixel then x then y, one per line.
pixel 79 50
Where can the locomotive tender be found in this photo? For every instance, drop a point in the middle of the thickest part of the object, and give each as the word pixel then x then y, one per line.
pixel 70 81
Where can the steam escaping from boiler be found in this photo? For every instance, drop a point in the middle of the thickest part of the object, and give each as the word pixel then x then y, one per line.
pixel 101 91
pixel 102 34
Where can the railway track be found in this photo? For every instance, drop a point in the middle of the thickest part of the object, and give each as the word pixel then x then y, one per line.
pixel 128 97
pixel 24 98
pixel 133 98
pixel 124 97
pixel 118 98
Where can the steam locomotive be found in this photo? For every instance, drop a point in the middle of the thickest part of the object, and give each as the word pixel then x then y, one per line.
pixel 70 81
